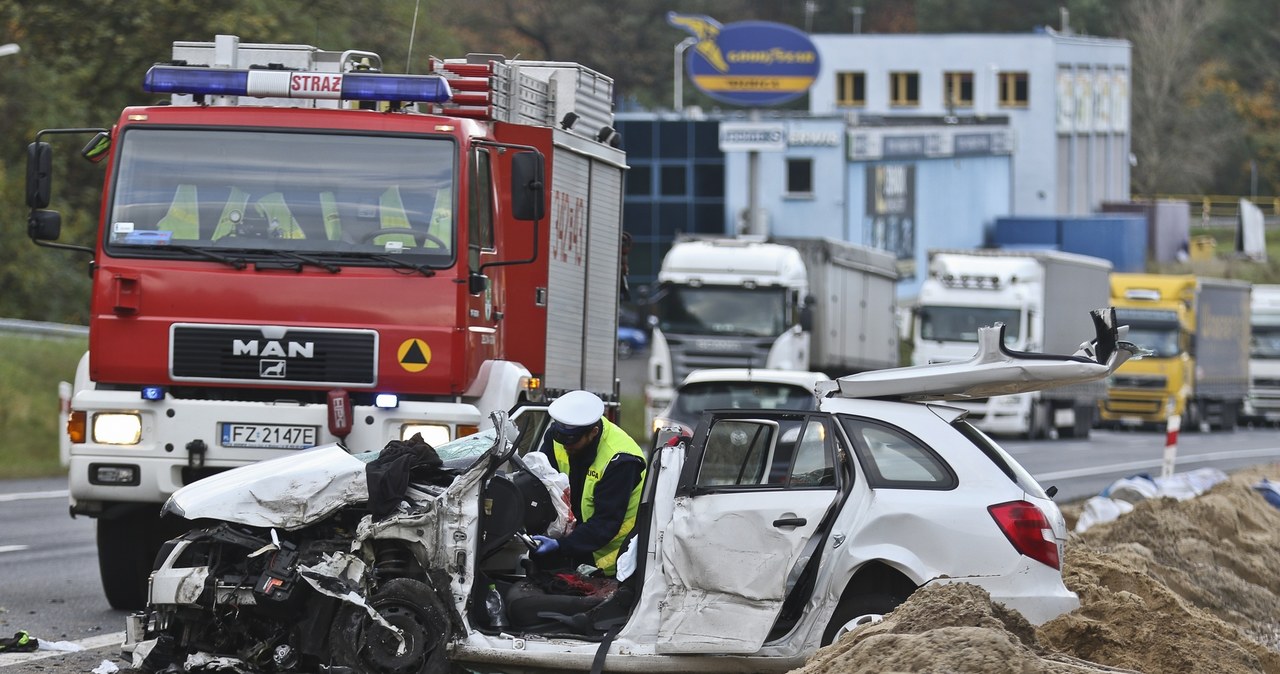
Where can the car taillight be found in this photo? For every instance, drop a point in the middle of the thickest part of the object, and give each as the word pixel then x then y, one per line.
pixel 1028 529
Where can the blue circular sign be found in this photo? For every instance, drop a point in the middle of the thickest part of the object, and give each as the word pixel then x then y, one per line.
pixel 749 63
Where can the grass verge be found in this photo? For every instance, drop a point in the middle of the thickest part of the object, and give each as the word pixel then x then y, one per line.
pixel 30 369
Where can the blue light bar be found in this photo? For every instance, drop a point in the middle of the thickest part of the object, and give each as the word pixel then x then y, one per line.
pixel 153 393
pixel 370 87
pixel 293 84
pixel 386 401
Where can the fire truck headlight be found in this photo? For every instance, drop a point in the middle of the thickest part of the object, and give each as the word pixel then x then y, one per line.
pixel 434 434
pixel 123 428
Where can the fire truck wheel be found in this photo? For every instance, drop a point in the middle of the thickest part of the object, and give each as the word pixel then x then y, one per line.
pixel 124 560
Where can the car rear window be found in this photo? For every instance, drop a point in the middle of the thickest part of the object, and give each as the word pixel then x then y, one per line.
pixel 692 399
pixel 893 458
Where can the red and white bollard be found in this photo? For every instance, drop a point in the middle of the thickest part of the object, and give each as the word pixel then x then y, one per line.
pixel 1171 444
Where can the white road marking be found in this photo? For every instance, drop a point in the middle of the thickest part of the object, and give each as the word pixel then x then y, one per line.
pixel 32 495
pixel 13 548
pixel 1156 462
pixel 100 641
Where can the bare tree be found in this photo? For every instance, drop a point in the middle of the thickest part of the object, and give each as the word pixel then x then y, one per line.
pixel 1178 128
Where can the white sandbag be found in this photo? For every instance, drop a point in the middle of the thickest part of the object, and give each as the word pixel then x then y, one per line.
pixel 1101 509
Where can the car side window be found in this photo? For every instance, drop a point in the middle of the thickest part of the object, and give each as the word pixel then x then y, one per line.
pixel 737 453
pixel 893 458
pixel 531 424
pixel 786 453
pixel 813 465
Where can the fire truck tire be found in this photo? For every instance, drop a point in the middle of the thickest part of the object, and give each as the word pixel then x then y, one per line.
pixel 125 556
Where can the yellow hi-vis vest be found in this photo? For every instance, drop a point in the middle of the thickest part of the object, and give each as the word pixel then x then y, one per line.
pixel 613 441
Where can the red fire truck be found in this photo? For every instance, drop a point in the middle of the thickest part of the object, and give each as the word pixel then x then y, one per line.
pixel 300 248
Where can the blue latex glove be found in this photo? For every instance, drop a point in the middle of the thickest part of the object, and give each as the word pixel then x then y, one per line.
pixel 546 544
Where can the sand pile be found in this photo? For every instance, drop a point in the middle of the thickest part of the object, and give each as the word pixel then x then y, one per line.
pixel 1174 586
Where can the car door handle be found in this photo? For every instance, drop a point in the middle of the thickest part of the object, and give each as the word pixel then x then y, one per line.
pixel 790 522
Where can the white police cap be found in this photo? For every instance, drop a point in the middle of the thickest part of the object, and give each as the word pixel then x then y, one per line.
pixel 577 408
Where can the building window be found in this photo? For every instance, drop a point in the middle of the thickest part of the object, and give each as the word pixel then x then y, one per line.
pixel 1014 90
pixel 673 182
pixel 958 89
pixel 904 89
pixel 851 89
pixel 800 176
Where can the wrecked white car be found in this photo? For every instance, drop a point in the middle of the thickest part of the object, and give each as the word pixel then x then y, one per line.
pixel 759 540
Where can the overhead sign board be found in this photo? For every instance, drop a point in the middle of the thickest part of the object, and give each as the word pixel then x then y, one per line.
pixel 748 63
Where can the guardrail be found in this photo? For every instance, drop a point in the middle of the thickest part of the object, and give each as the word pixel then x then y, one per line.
pixel 1209 206
pixel 39 328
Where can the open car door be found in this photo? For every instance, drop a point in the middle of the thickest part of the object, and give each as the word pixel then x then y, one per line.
pixel 756 491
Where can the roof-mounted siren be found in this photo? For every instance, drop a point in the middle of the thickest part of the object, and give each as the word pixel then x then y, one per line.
pixel 609 136
pixel 351 86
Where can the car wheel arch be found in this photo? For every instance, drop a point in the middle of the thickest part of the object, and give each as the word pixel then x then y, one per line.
pixel 875 584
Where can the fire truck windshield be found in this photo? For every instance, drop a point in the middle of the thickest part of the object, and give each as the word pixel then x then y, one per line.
pixel 351 199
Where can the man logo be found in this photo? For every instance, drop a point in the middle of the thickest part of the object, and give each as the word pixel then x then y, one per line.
pixel 251 347
pixel 271 369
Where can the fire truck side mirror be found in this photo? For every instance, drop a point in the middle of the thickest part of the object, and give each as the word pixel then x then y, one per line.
pixel 39 174
pixel 527 186
pixel 96 150
pixel 44 225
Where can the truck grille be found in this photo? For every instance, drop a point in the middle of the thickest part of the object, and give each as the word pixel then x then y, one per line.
pixel 273 355
pixel 697 353
pixel 1124 381
pixel 1266 382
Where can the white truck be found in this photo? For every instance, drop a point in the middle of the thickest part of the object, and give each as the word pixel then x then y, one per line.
pixel 1035 294
pixel 1263 402
pixel 820 305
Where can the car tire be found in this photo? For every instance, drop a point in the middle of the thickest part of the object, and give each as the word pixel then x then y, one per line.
pixel 125 558
pixel 358 642
pixel 858 610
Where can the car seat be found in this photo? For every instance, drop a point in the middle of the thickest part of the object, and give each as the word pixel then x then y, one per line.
pixel 568 602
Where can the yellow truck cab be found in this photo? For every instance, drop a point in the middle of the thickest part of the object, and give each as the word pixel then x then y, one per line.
pixel 1197 330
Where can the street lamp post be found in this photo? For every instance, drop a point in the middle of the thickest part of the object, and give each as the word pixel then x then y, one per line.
pixel 9 49
pixel 678 75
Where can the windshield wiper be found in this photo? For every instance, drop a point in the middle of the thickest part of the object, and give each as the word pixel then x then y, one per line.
pixel 300 260
pixel 237 262
pixel 394 261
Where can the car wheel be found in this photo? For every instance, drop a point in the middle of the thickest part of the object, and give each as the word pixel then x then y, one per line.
pixel 856 611
pixel 359 642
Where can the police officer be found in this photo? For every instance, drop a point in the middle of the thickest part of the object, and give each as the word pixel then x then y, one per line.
pixel 606 470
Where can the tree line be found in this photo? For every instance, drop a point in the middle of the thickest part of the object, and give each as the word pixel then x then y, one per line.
pixel 1206 76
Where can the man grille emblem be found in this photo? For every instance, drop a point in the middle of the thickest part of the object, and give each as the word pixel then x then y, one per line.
pixel 271 369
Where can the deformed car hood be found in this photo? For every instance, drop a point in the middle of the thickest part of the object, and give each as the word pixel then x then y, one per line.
pixel 285 493
pixel 995 370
